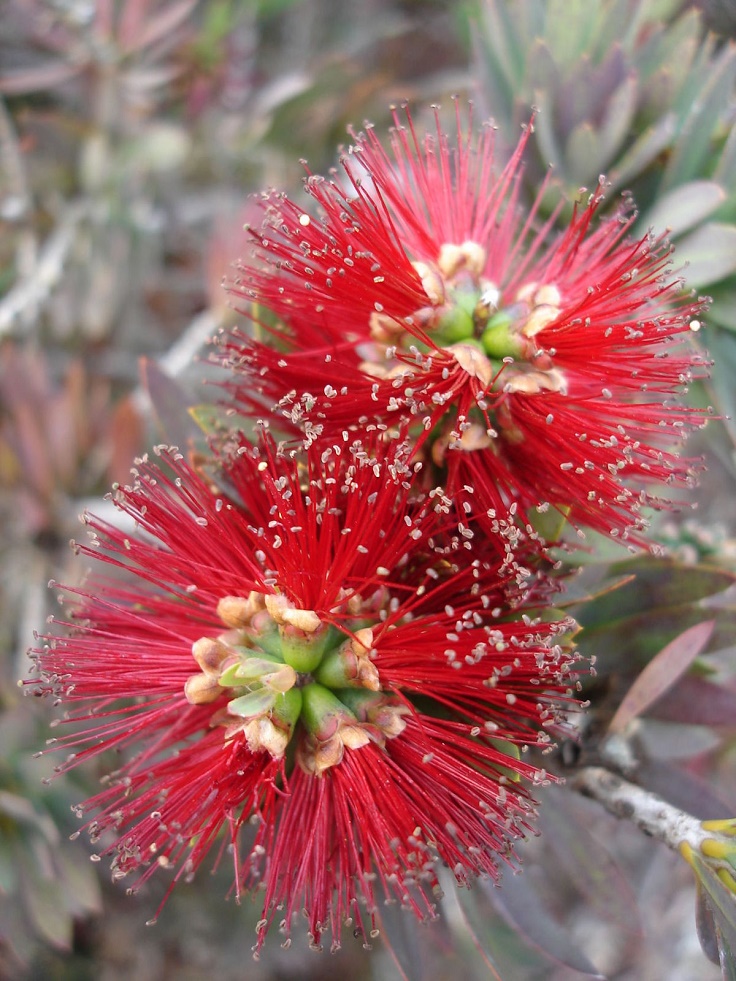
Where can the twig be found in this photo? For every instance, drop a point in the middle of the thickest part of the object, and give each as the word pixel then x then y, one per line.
pixel 16 206
pixel 25 298
pixel 181 354
pixel 652 815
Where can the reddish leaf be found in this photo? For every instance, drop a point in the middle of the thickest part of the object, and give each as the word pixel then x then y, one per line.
pixel 160 25
pixel 661 673
pixel 697 701
pixel 126 439
pixel 683 789
pixel 34 79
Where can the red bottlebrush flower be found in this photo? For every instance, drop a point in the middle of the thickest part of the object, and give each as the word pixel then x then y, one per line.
pixel 316 664
pixel 541 368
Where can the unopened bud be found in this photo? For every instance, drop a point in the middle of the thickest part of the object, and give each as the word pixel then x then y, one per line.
pixel 470 256
pixel 350 666
pixel 431 282
pixel 531 382
pixel 283 612
pixel 200 689
pixel 540 317
pixel 237 611
pixel 272 732
pixel 209 654
pixel 383 712
pixel 473 361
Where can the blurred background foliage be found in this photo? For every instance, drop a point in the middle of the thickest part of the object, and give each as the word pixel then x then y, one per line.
pixel 131 134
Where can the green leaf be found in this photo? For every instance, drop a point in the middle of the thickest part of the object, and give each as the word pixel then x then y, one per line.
pixel 81 882
pixel 644 150
pixel 684 207
pixel 583 159
pixel 159 148
pixel 511 750
pixel 725 172
pixel 694 146
pixel 504 54
pixel 722 347
pixel 710 254
pixel 546 134
pixel 8 864
pixel 252 704
pixel 47 909
pixel 618 119
pixel 657 583
pixel 718 917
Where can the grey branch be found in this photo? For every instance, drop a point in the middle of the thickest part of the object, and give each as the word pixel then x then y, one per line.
pixel 651 814
pixel 23 301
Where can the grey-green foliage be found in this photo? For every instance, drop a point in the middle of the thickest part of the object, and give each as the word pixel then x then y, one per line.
pixel 632 89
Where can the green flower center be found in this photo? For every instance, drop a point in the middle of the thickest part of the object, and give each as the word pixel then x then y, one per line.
pixel 291 679
pixel 466 315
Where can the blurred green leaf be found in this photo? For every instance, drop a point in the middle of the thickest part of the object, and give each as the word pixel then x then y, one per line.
pixel 80 881
pixel 716 919
pixel 645 147
pixel 158 148
pixel 657 583
pixel 684 207
pixel 47 908
pixel 710 254
pixel 693 150
pixel 8 864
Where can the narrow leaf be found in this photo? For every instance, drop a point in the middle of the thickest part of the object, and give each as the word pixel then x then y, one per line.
pixel 565 820
pixel 681 788
pixel 170 404
pixel 722 908
pixel 659 584
pixel 705 925
pixel 685 207
pixel 519 904
pixel 160 25
pixel 35 79
pixel 661 673
pixel 697 701
pixel 710 252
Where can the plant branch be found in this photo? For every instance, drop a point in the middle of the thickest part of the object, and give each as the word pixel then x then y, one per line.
pixel 650 813
pixel 23 301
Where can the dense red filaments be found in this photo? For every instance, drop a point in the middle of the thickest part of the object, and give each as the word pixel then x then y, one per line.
pixel 575 404
pixel 463 682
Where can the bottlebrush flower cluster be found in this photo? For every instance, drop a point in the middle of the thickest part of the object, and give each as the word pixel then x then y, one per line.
pixel 331 652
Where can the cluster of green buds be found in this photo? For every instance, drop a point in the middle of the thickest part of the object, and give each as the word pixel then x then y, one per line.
pixel 466 315
pixel 291 680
